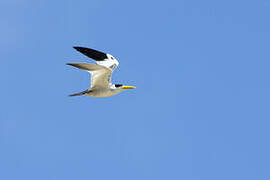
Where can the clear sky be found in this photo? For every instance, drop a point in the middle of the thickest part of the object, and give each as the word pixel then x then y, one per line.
pixel 200 110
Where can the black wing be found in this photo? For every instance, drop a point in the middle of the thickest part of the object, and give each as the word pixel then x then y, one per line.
pixel 94 54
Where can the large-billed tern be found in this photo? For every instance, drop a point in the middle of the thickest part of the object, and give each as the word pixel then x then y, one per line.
pixel 101 85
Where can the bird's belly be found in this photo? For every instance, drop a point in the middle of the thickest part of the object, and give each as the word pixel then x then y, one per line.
pixel 101 93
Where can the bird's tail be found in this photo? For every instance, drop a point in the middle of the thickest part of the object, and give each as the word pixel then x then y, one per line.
pixel 80 93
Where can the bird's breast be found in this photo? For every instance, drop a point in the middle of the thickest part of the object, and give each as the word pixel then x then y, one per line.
pixel 102 92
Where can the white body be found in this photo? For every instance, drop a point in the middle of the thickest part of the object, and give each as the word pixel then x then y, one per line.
pixel 101 85
pixel 103 92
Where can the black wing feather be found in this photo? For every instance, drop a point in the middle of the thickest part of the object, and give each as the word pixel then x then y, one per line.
pixel 94 54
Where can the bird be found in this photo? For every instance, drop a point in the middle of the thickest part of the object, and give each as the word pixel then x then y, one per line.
pixel 101 72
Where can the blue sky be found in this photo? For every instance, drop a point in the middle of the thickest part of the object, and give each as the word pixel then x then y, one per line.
pixel 200 110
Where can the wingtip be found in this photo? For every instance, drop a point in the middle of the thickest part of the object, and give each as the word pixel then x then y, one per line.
pixel 72 64
pixel 70 95
pixel 78 47
pixel 91 53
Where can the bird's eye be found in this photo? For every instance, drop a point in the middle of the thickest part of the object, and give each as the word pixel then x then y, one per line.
pixel 111 57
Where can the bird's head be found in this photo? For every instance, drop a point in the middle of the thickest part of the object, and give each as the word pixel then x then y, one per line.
pixel 121 86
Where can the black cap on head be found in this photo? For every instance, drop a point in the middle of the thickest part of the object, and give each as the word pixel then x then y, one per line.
pixel 118 85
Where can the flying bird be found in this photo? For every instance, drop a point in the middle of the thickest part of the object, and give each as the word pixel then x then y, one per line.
pixel 101 72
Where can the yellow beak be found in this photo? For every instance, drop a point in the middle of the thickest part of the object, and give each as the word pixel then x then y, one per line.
pixel 128 87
